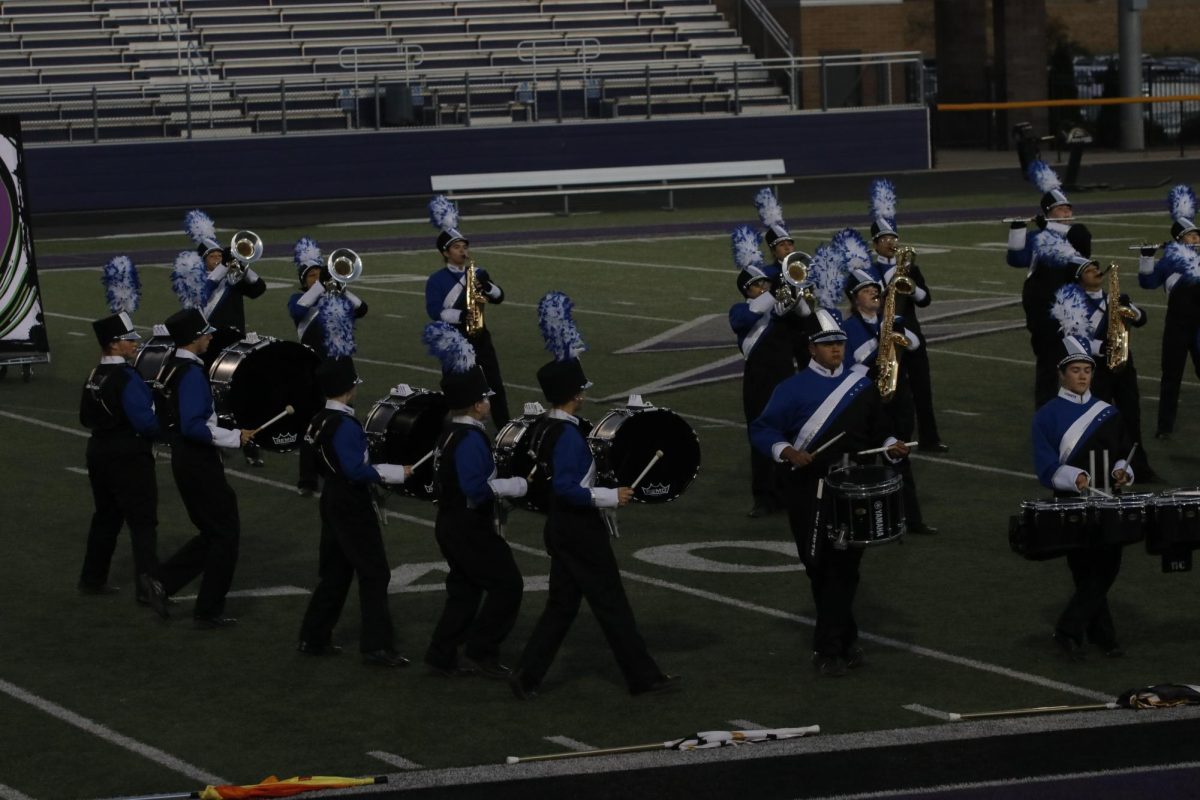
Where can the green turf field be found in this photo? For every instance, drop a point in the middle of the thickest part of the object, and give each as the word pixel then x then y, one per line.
pixel 98 698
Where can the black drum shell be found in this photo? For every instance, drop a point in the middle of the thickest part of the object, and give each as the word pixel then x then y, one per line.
pixel 1174 522
pixel 513 459
pixel 625 440
pixel 253 380
pixel 152 356
pixel 1123 520
pixel 1052 528
pixel 402 429
pixel 863 506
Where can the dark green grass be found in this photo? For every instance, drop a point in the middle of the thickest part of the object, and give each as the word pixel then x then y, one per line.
pixel 242 704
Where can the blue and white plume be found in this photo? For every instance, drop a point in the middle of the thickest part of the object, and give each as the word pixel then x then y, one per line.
pixel 1179 259
pixel 189 280
pixel 336 315
pixel 307 253
pixel 883 203
pixel 122 286
pixel 200 227
pixel 1055 250
pixel 558 328
pixel 1043 176
pixel 443 214
pixel 1182 202
pixel 447 344
pixel 852 249
pixel 770 212
pixel 746 252
pixel 827 276
pixel 1070 310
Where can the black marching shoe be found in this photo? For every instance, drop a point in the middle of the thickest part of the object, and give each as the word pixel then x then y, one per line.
pixel 934 447
pixel 459 670
pixel 761 508
pixel 660 685
pixel 921 529
pixel 384 658
pixel 1111 649
pixel 151 590
pixel 829 666
pixel 522 687
pixel 487 667
pixel 1162 435
pixel 1069 647
pixel 214 622
pixel 854 657
pixel 311 649
pixel 252 454
pixel 305 489
pixel 97 591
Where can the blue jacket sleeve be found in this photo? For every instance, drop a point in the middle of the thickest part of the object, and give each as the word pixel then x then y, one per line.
pixel 195 406
pixel 572 461
pixel 474 463
pixel 1045 450
pixel 435 295
pixel 350 447
pixel 138 404
pixel 1024 257
pixel 295 310
pixel 742 319
pixel 773 425
pixel 1154 279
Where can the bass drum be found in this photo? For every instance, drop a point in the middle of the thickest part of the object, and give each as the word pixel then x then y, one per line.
pixel 626 440
pixel 514 459
pixel 256 378
pixel 401 429
pixel 153 355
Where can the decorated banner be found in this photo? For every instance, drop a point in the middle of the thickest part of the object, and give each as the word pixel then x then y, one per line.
pixel 22 326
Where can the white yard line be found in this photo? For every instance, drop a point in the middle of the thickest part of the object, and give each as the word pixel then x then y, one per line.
pixel 927 711
pixel 570 744
pixel 1028 362
pixel 9 793
pixel 149 752
pixel 396 761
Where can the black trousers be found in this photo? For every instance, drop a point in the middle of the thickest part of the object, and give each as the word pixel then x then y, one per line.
pixel 1121 389
pixel 124 490
pixel 480 563
pixel 351 545
pixel 900 417
pixel 833 575
pixel 758 383
pixel 486 358
pixel 1093 570
pixel 582 565
pixel 920 381
pixel 308 466
pixel 1181 338
pixel 212 507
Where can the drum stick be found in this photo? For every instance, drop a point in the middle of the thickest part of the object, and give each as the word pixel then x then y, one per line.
pixel 1013 712
pixel 287 410
pixel 1094 490
pixel 883 449
pixel 423 459
pixel 1092 466
pixel 817 452
pixel 1107 475
pixel 529 477
pixel 657 455
pixel 1132 450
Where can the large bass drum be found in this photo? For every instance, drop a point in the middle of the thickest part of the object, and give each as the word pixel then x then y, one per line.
pixel 154 353
pixel 402 428
pixel 626 440
pixel 256 378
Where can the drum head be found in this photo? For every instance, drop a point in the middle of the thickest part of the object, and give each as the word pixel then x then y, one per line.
pixel 268 379
pixel 866 480
pixel 151 356
pixel 626 440
pixel 402 430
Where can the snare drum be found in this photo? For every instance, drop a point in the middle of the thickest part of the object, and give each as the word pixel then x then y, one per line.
pixel 153 355
pixel 256 378
pixel 1051 528
pixel 1122 518
pixel 1174 521
pixel 514 458
pixel 626 440
pixel 863 506
pixel 401 429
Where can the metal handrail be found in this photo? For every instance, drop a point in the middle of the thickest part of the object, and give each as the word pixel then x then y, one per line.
pixel 771 26
pixel 573 50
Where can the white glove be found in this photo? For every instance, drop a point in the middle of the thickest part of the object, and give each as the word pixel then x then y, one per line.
pixel 391 473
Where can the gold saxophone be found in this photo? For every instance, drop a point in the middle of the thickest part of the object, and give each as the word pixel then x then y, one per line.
pixel 888 359
pixel 473 316
pixel 1117 335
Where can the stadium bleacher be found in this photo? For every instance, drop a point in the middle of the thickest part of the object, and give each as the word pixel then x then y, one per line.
pixel 127 69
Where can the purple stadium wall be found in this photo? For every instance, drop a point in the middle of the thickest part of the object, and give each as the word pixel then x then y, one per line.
pixel 395 162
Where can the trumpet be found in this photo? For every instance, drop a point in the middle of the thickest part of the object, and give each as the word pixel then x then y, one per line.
pixel 794 279
pixel 1160 246
pixel 246 248
pixel 344 267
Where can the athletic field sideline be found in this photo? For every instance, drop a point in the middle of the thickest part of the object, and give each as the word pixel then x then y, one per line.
pixel 100 700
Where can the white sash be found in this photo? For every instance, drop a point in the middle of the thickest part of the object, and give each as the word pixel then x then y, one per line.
pixel 819 417
pixel 1074 433
pixel 452 295
pixel 755 334
pixel 309 316
pixel 215 298
pixel 865 350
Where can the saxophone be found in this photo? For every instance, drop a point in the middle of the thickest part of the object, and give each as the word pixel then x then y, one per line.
pixel 1117 336
pixel 888 359
pixel 473 316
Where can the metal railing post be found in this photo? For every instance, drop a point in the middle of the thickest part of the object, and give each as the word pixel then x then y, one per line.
pixel 467 101
pixel 283 107
pixel 793 89
pixel 187 99
pixel 95 114
pixel 824 86
pixel 737 91
pixel 378 121
pixel 648 101
pixel 558 92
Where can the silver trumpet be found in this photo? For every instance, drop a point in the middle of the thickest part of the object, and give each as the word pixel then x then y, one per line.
pixel 345 267
pixel 794 279
pixel 246 247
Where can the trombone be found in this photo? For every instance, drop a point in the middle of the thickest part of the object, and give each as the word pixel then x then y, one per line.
pixel 344 267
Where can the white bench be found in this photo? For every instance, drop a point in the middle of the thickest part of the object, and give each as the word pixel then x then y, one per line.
pixel 567 182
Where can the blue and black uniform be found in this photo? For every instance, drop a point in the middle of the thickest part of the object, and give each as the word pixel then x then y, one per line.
pixel 118 408
pixel 351 541
pixel 199 471
pixel 582 563
pixel 1067 431
pixel 225 307
pixel 467 490
pixel 1181 325
pixel 445 301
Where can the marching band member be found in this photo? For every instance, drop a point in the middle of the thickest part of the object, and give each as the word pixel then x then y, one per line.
pixel 582 563
pixel 1068 433
pixel 196 464
pixel 807 410
pixel 319 314
pixel 214 282
pixel 116 405
pixel 467 491
pixel 781 245
pixel 1178 272
pixel 765 339
pixel 1042 280
pixel 445 298
pixel 351 541
pixel 915 366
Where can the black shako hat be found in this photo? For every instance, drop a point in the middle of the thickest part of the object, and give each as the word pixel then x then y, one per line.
pixel 464 389
pixel 562 380
pixel 337 375
pixel 118 326
pixel 187 326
